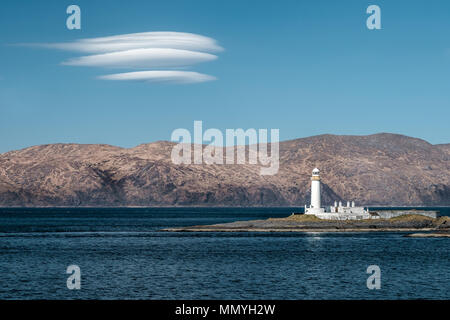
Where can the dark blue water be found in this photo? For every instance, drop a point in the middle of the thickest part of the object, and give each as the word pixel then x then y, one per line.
pixel 123 255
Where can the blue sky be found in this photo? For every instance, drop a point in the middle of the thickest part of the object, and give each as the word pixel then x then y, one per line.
pixel 304 67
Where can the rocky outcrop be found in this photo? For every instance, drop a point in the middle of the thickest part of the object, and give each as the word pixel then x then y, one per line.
pixel 308 223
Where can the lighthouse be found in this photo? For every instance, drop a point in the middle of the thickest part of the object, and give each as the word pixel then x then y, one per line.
pixel 315 208
pixel 315 189
pixel 335 212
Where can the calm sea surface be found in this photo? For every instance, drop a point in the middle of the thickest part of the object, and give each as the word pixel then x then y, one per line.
pixel 123 255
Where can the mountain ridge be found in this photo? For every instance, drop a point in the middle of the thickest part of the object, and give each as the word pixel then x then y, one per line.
pixel 378 169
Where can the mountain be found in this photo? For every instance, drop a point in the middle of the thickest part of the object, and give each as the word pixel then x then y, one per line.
pixel 379 169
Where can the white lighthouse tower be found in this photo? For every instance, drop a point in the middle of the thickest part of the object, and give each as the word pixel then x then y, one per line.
pixel 315 189
pixel 335 212
pixel 315 208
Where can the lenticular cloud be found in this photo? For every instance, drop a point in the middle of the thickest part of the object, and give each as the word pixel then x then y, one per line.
pixel 143 58
pixel 154 50
pixel 160 76
pixel 174 40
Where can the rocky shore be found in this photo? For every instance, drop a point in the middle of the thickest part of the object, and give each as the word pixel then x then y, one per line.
pixel 303 223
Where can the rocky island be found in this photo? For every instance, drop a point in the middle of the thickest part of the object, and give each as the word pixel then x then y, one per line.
pixel 338 218
pixel 307 223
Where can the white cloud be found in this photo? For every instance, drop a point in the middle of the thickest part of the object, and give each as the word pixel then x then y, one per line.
pixel 143 58
pixel 146 50
pixel 143 40
pixel 160 76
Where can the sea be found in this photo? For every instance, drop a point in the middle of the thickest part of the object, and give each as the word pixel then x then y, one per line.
pixel 121 253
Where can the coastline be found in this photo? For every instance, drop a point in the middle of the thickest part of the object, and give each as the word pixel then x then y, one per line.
pixel 115 206
pixel 200 229
pixel 301 223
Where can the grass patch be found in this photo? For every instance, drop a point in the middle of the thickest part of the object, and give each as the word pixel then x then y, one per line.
pixel 403 218
pixel 411 217
pixel 300 217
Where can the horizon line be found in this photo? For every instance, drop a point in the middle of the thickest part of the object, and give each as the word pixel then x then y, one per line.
pixel 235 145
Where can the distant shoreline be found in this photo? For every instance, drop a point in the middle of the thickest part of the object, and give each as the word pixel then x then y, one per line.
pixel 209 206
